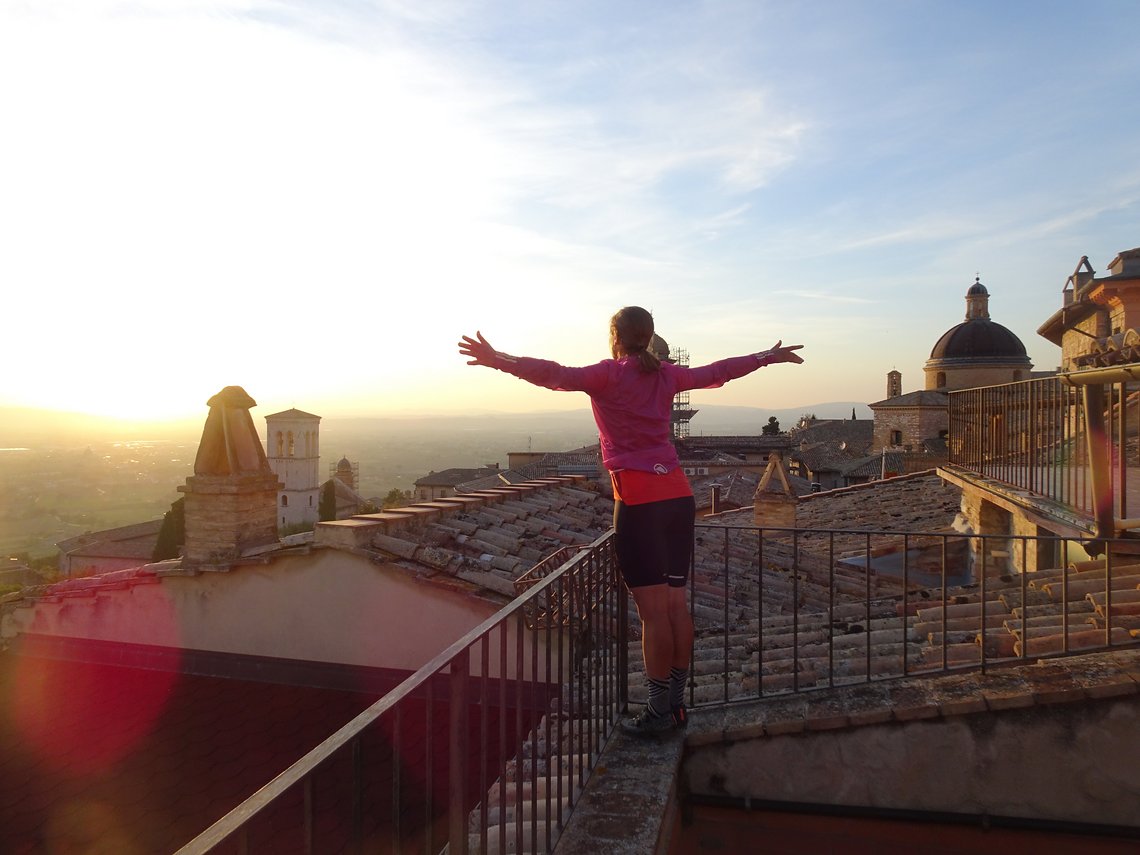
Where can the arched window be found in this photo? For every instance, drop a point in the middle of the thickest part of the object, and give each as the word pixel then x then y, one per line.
pixel 291 446
pixel 941 379
pixel 896 437
pixel 284 501
pixel 280 444
pixel 308 445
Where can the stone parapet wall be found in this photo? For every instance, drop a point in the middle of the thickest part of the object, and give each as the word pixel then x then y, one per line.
pixel 1047 741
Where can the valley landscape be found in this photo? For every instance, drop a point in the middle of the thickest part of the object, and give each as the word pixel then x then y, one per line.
pixel 62 475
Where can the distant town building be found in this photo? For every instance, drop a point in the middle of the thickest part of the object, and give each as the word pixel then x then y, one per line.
pixel 109 549
pixel 911 427
pixel 441 485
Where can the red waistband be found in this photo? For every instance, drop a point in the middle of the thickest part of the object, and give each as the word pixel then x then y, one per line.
pixel 635 487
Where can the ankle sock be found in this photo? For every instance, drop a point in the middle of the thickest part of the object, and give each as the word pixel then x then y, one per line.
pixel 658 696
pixel 678 678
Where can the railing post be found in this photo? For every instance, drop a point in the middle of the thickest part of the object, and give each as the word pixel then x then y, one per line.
pixel 1100 476
pixel 622 627
pixel 457 754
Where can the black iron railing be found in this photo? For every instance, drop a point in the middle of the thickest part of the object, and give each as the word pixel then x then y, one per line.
pixel 484 749
pixel 1070 439
pixel 488 747
pixel 783 610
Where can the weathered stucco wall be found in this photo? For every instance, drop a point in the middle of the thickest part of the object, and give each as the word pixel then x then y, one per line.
pixel 327 606
pixel 1064 762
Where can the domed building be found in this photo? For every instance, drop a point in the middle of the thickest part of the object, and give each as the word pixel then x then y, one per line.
pixel 976 352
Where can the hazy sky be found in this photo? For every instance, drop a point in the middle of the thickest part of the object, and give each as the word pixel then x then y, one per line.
pixel 315 199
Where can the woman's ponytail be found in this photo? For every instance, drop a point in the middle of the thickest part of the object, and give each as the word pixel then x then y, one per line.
pixel 631 330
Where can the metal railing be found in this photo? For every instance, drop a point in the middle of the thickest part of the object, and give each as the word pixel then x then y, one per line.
pixel 484 749
pixel 1071 439
pixel 488 747
pixel 784 610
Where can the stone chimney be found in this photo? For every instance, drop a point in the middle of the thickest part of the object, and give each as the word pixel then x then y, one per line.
pixel 774 503
pixel 231 499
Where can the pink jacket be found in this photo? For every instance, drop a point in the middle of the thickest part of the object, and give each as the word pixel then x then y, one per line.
pixel 633 408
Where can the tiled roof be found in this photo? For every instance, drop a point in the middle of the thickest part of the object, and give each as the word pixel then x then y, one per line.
pixel 498 478
pixel 292 414
pixel 920 398
pixel 451 477
pixel 485 539
pixel 835 635
pixel 828 456
pixel 857 433
pixel 345 495
pixel 736 488
pixel 873 465
pixel 126 541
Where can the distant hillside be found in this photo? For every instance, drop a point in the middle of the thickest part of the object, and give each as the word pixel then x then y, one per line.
pixel 23 426
pixel 714 420
pixel 395 451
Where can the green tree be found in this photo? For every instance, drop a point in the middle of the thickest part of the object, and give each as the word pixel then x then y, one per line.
pixel 172 535
pixel 326 508
pixel 772 428
pixel 397 498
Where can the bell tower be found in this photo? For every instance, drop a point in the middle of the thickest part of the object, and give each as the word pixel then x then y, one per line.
pixel 292 444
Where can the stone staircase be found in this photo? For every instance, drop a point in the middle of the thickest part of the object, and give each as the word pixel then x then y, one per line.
pixel 525 810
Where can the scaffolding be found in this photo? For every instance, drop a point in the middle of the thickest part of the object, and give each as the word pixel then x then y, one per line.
pixel 339 471
pixel 682 411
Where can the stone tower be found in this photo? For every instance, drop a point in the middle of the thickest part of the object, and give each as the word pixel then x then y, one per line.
pixel 292 442
pixel 231 498
pixel 894 383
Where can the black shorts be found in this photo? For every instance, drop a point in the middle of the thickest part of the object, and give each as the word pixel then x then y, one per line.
pixel 654 541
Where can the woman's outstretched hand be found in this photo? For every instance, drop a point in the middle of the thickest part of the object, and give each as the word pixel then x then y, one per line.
pixel 477 350
pixel 780 353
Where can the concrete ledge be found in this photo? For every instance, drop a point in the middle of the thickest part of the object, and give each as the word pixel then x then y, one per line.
pixel 355 533
pixel 628 803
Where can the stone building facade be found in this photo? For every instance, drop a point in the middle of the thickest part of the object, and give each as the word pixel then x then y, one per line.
pixel 907 421
pixel 1096 310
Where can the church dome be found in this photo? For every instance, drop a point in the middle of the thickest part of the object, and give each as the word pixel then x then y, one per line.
pixel 977 352
pixel 977 289
pixel 978 338
pixel 344 465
